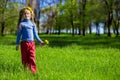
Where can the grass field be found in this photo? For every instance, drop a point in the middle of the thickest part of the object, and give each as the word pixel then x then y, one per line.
pixel 65 58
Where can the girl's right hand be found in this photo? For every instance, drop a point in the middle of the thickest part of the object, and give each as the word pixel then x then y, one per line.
pixel 17 47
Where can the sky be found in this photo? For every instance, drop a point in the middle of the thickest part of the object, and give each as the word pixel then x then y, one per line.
pixel 21 1
pixel 41 3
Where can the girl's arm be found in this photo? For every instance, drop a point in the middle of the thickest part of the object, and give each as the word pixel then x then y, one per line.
pixel 18 37
pixel 37 37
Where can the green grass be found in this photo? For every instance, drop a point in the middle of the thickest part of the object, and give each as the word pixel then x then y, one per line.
pixel 65 58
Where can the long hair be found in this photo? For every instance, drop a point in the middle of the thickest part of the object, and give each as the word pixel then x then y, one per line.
pixel 21 13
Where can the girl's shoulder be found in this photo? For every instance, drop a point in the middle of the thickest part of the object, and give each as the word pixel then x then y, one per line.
pixel 21 23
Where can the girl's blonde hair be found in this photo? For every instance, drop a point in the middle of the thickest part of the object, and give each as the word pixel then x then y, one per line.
pixel 21 13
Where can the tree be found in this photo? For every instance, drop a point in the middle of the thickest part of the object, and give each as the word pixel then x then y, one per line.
pixel 70 11
pixel 97 14
pixel 49 16
pixel 83 16
pixel 3 8
pixel 108 6
pixel 8 16
pixel 116 16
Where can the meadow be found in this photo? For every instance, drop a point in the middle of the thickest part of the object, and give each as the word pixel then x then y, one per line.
pixel 65 58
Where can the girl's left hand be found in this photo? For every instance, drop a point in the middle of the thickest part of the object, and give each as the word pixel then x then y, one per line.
pixel 42 44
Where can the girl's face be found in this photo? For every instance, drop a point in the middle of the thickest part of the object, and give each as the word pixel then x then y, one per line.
pixel 27 14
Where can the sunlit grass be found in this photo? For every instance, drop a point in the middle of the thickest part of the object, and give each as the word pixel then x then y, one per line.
pixel 86 58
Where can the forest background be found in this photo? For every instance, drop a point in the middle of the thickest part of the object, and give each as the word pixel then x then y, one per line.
pixel 77 17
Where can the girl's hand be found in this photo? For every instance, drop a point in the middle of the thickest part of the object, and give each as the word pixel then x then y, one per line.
pixel 17 47
pixel 42 44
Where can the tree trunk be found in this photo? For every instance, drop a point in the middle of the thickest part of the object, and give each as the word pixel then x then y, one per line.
pixel 117 32
pixel 48 30
pixel 83 32
pixel 110 17
pixel 79 32
pixel 116 25
pixel 38 20
pixel 3 28
pixel 90 30
pixel 97 29
pixel 72 24
pixel 117 28
pixel 109 33
pixel 73 33
pixel 59 30
pixel 83 16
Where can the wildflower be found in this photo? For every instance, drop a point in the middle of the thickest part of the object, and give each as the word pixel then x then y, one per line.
pixel 46 41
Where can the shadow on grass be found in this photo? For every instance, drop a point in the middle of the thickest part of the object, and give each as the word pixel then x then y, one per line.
pixel 86 42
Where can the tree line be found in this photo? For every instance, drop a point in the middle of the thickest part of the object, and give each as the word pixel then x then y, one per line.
pixel 58 15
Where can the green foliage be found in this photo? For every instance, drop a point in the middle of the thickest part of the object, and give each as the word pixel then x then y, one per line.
pixel 95 11
pixel 11 20
pixel 9 15
pixel 63 14
pixel 65 58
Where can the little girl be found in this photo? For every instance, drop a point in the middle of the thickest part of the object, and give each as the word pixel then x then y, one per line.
pixel 27 29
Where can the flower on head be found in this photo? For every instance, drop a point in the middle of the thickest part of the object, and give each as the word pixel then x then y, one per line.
pixel 28 8
pixel 46 41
